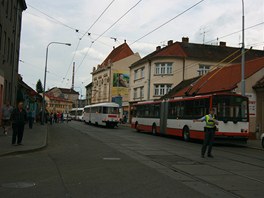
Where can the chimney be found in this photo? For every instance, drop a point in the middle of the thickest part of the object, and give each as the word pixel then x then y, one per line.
pixel 170 42
pixel 222 44
pixel 185 39
pixel 158 48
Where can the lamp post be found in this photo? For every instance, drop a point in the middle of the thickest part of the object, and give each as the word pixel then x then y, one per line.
pixel 45 73
pixel 243 53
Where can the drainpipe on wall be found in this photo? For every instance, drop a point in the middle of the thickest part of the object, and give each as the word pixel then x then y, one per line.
pixel 149 78
pixel 183 68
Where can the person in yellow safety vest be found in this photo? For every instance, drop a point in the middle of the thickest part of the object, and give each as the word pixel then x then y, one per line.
pixel 209 129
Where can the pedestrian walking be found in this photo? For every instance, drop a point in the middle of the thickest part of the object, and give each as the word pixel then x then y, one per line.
pixel 62 118
pixel 18 119
pixel 30 118
pixel 55 117
pixel 6 114
pixel 209 129
pixel 51 118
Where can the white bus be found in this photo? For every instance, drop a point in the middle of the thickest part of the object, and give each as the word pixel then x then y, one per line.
pixel 175 117
pixel 105 114
pixel 76 114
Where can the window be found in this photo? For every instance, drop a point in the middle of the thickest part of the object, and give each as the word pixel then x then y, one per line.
pixel 139 73
pixel 147 110
pixel 4 42
pixel 135 74
pixel 135 93
pixel 203 69
pixel 142 72
pixel 162 89
pixel 163 68
pixel 141 92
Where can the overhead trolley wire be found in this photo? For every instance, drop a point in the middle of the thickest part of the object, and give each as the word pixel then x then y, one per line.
pixel 230 34
pixel 98 18
pixel 160 26
pixel 117 20
pixel 108 30
pixel 58 21
pixel 79 40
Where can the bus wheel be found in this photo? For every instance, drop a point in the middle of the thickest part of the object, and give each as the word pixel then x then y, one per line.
pixel 154 129
pixel 186 134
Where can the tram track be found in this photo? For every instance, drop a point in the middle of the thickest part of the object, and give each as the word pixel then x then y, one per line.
pixel 117 139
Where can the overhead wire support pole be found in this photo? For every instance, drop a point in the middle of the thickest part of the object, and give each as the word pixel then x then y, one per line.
pixel 243 53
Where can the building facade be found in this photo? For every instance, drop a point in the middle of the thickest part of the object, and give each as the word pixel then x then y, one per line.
pixel 10 31
pixel 65 93
pixel 111 78
pixel 31 99
pixel 154 75
pixel 259 89
pixel 89 93
pixel 57 104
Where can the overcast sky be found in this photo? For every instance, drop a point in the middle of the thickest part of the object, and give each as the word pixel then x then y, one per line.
pixel 47 21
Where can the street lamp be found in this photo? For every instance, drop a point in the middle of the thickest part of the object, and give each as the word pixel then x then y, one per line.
pixel 45 73
pixel 243 53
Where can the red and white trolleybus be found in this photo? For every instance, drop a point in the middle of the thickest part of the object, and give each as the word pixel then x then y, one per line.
pixel 175 116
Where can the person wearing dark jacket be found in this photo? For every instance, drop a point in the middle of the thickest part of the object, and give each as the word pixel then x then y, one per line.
pixel 18 119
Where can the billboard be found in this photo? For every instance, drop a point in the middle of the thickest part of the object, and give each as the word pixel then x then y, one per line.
pixel 120 85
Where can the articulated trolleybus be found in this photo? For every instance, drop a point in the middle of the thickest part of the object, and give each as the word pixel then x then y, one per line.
pixel 175 117
pixel 105 114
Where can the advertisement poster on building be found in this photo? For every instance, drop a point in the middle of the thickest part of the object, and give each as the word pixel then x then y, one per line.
pixel 252 105
pixel 120 85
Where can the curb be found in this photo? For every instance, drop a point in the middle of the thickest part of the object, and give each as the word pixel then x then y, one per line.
pixel 30 150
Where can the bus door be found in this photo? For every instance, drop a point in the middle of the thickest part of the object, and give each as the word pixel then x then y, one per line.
pixel 163 117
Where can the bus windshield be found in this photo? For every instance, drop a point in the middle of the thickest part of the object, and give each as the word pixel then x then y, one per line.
pixel 231 108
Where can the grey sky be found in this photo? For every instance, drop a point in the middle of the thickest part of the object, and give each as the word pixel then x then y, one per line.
pixel 216 18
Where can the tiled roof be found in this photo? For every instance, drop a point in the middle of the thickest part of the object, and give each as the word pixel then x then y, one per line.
pixel 222 80
pixel 65 90
pixel 217 53
pixel 68 91
pixel 202 52
pixel 51 97
pixel 179 87
pixel 259 84
pixel 117 54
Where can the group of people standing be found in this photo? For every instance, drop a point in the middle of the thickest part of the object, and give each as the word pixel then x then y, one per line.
pixel 56 117
pixel 17 118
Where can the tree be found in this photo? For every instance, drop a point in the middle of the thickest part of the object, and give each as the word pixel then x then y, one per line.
pixel 39 87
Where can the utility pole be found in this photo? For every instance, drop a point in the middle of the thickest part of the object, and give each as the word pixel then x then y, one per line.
pixel 73 74
pixel 243 53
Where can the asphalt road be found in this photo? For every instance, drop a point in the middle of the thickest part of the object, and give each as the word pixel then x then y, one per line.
pixel 88 161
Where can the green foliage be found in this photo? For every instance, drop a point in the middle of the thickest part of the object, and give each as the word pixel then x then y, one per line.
pixel 39 87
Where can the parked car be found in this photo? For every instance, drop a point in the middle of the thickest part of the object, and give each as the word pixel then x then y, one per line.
pixel 262 139
pixel 67 117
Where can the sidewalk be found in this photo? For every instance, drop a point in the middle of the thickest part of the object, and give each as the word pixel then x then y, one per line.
pixel 255 144
pixel 34 139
